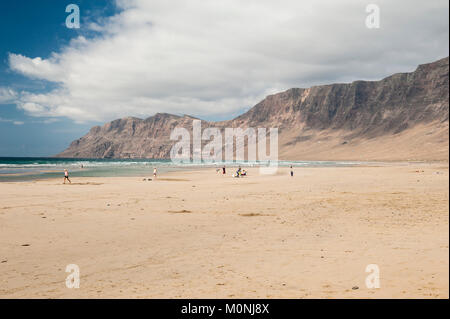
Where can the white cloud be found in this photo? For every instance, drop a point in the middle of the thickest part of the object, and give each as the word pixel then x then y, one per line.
pixel 7 95
pixel 209 58
pixel 37 67
pixel 11 121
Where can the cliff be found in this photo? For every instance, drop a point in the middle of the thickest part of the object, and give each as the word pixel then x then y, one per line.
pixel 401 117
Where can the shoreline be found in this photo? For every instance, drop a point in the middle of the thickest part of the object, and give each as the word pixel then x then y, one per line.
pixel 137 171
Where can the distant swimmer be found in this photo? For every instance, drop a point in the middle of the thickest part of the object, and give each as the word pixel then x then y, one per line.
pixel 66 176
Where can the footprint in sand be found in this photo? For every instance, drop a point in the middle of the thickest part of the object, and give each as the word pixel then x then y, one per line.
pixel 183 211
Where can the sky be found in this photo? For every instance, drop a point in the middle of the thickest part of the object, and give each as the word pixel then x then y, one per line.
pixel 210 59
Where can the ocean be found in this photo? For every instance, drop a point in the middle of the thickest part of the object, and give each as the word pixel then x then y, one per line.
pixel 32 168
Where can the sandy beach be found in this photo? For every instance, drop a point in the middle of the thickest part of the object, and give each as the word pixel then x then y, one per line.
pixel 198 234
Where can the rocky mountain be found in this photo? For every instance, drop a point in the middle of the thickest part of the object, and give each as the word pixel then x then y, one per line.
pixel 402 117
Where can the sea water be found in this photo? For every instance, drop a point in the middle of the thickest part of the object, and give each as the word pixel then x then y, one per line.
pixel 31 168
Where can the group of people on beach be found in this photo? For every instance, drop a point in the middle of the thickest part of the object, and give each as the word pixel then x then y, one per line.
pixel 66 175
pixel 239 173
pixel 242 172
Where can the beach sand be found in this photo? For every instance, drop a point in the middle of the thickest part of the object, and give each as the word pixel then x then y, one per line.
pixel 198 234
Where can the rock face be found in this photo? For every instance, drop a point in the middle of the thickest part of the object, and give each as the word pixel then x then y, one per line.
pixel 129 137
pixel 402 117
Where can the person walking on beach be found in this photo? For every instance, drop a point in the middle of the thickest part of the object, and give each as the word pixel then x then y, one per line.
pixel 66 176
pixel 292 172
pixel 223 170
pixel 154 172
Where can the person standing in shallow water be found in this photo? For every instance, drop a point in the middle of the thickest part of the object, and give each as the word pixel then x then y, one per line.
pixel 154 172
pixel 292 172
pixel 66 176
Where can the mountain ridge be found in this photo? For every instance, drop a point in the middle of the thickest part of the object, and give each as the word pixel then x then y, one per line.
pixel 324 122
